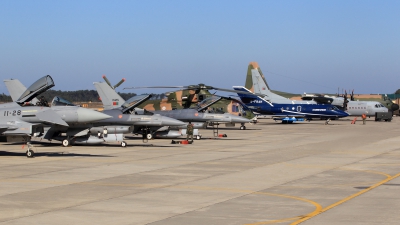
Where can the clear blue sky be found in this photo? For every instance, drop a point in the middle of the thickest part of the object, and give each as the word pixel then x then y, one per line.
pixel 301 46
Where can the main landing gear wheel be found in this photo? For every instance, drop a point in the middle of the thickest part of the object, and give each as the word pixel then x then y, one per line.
pixel 30 153
pixel 149 136
pixel 123 144
pixel 65 142
pixel 243 127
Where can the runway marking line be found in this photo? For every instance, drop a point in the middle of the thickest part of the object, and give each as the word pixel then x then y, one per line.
pixel 315 213
pixel 318 210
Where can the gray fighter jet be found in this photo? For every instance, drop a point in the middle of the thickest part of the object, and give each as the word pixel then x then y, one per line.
pixel 20 124
pixel 199 116
pixel 111 128
pixel 27 117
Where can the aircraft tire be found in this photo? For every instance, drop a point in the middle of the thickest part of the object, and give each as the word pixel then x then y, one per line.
pixel 243 127
pixel 149 136
pixel 65 143
pixel 30 153
pixel 123 144
pixel 198 137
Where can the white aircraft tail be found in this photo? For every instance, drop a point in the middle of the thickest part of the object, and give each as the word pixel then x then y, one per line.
pixel 108 96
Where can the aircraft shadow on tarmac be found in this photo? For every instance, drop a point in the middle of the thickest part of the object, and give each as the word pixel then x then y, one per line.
pixel 221 139
pixel 50 144
pixel 51 154
pixel 382 184
pixel 362 187
pixel 233 128
pixel 297 124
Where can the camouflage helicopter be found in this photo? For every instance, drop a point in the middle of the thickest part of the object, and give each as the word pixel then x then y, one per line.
pixel 190 97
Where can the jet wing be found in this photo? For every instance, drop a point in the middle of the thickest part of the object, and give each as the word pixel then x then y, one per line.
pixel 283 116
pixel 49 116
pixel 3 128
pixel 134 102
pixel 318 99
pixel 40 86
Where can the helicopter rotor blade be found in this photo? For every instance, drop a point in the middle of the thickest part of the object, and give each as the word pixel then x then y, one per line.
pixel 198 88
pixel 107 81
pixel 119 83
pixel 156 87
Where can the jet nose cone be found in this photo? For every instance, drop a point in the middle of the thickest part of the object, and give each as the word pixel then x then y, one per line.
pixel 344 114
pixel 166 121
pixel 239 119
pixel 88 115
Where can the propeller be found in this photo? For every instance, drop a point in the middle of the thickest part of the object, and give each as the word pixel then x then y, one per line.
pixel 345 100
pixel 109 83
pixel 199 87
pixel 352 95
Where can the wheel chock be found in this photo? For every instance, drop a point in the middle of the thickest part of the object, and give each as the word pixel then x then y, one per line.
pixel 222 135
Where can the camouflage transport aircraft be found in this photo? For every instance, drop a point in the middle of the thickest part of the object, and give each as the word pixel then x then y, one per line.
pixel 189 98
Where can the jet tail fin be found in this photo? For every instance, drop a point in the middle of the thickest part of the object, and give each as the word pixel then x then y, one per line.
pixel 16 89
pixel 109 97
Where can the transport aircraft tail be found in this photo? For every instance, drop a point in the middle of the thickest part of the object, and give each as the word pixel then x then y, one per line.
pixel 256 82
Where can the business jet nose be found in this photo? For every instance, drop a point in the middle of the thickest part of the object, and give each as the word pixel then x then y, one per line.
pixel 88 115
pixel 344 114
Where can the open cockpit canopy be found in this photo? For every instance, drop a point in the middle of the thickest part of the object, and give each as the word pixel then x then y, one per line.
pixel 40 86
pixel 133 102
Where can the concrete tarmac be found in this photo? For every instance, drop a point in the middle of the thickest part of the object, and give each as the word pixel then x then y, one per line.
pixel 271 173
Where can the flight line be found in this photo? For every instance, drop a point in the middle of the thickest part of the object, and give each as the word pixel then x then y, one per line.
pixel 261 173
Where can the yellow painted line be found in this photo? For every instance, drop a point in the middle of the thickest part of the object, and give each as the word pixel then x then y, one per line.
pixel 318 207
pixel 274 221
pixel 309 216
